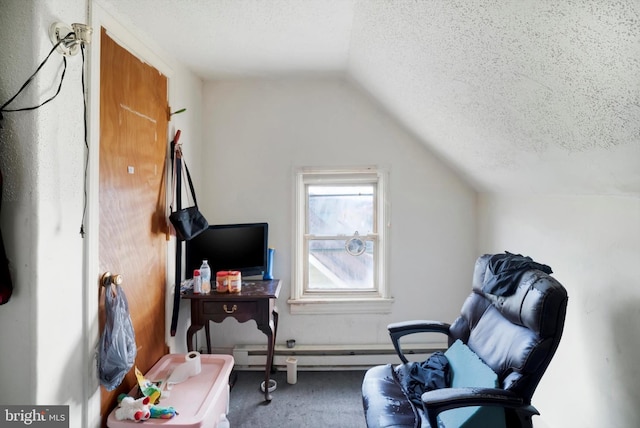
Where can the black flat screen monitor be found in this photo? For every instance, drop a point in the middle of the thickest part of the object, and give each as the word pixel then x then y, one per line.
pixel 241 247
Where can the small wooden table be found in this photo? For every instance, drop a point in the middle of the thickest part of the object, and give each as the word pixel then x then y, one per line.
pixel 256 301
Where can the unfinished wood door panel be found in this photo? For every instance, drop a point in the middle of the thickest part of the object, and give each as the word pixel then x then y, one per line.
pixel 133 129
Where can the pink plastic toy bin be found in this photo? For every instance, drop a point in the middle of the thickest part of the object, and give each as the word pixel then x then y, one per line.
pixel 199 400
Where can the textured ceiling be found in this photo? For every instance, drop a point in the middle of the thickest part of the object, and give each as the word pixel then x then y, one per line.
pixel 518 96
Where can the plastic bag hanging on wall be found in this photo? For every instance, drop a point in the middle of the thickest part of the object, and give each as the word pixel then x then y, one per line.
pixel 117 348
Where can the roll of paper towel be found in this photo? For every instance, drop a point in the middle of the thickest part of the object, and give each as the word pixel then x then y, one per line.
pixel 191 367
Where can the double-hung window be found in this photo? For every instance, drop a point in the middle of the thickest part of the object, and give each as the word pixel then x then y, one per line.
pixel 340 242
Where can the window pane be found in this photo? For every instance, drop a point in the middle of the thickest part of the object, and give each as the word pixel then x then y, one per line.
pixel 331 267
pixel 340 210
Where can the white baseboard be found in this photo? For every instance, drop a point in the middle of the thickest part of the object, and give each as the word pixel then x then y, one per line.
pixel 334 357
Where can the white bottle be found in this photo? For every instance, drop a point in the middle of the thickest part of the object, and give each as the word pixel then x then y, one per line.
pixel 205 277
pixel 223 422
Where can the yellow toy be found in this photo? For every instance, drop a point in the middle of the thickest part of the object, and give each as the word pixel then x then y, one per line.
pixel 148 388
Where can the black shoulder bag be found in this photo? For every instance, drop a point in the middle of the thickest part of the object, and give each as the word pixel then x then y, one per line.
pixel 188 222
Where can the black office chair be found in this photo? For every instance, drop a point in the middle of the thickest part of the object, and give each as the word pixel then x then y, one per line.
pixel 515 330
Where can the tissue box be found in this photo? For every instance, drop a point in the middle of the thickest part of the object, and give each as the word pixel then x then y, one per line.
pixel 199 400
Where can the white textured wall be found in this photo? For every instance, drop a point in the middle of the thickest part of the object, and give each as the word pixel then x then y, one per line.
pixel 42 158
pixel 593 245
pixel 257 132
pixel 17 146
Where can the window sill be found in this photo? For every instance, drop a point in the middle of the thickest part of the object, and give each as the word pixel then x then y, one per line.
pixel 340 305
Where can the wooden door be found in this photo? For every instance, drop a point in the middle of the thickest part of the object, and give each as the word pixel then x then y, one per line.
pixel 133 134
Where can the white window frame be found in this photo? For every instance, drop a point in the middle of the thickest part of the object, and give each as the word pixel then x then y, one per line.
pixel 303 301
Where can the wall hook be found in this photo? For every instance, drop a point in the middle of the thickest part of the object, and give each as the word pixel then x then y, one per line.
pixel 69 37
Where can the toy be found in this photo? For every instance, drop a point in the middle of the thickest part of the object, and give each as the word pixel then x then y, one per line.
pixel 162 412
pixel 130 408
pixel 148 388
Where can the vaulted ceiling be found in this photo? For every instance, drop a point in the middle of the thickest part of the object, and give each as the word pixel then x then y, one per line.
pixel 517 95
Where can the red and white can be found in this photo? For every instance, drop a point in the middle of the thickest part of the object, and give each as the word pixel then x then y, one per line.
pixel 222 281
pixel 235 281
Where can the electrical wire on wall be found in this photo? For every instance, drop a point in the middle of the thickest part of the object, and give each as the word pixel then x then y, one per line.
pixel 4 109
pixel 86 145
pixel 74 39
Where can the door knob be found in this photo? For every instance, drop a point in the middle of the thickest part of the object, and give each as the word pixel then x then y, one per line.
pixel 110 279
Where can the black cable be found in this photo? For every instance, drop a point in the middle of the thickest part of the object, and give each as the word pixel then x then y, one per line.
pixel 70 36
pixel 86 144
pixel 30 79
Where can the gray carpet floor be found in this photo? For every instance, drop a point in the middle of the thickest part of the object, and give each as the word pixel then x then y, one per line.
pixel 327 399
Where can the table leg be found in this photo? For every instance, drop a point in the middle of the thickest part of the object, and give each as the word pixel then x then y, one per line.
pixel 267 369
pixel 275 315
pixel 193 329
pixel 208 336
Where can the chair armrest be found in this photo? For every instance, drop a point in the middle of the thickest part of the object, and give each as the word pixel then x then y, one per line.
pixel 399 329
pixel 439 400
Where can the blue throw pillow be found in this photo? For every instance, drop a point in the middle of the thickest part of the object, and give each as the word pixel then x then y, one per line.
pixel 467 369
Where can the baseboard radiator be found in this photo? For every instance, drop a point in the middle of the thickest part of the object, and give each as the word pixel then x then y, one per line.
pixel 330 357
